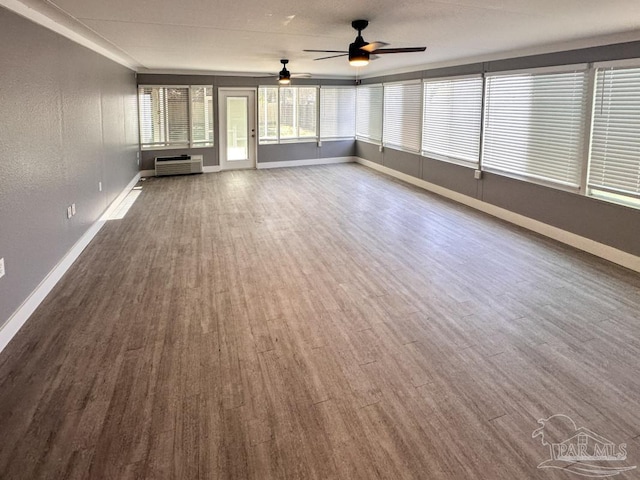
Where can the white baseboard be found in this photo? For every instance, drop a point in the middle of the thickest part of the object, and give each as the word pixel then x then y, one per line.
pixel 612 254
pixel 304 163
pixel 22 314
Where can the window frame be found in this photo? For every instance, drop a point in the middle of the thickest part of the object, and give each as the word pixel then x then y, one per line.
pixel 190 142
pixel 279 140
pixel 418 124
pixel 480 134
pixel 603 193
pixel 351 88
pixel 369 138
pixel 585 126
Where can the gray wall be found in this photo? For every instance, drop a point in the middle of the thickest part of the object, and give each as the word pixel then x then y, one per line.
pixel 68 120
pixel 305 151
pixel 266 153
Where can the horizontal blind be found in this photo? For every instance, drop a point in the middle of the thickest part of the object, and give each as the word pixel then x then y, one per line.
pixel 178 115
pixel 151 101
pixel 307 112
pixel 615 144
pixel 534 125
pixel 403 115
pixel 369 112
pixel 452 119
pixel 288 112
pixel 268 114
pixel 337 112
pixel 202 116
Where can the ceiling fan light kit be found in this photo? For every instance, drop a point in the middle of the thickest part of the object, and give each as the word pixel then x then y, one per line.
pixel 357 56
pixel 284 77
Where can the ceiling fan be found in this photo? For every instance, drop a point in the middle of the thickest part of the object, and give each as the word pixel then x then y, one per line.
pixel 285 76
pixel 360 52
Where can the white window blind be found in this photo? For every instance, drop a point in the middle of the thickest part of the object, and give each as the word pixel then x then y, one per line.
pixel 337 112
pixel 268 114
pixel 615 144
pixel 534 125
pixel 202 116
pixel 369 112
pixel 452 119
pixel 178 116
pixel 403 115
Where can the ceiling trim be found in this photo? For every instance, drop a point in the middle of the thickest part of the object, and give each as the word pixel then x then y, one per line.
pixel 55 19
pixel 589 42
pixel 219 73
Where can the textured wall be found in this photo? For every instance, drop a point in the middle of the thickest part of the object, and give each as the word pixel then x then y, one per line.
pixel 305 151
pixel 68 119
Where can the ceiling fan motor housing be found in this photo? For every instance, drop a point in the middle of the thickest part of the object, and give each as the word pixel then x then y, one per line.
pixel 356 52
pixel 284 74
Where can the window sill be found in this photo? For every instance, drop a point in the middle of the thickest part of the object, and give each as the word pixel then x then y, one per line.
pixel 288 141
pixel 369 140
pixel 534 180
pixel 617 199
pixel 455 161
pixel 175 147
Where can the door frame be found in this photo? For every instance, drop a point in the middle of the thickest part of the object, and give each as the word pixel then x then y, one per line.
pixel 222 126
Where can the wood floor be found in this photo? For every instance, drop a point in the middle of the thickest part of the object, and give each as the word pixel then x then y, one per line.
pixel 317 323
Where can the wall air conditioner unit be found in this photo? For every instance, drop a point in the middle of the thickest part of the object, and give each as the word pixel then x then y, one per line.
pixel 180 165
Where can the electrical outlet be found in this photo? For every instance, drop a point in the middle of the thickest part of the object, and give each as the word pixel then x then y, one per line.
pixel 1 267
pixel 380 148
pixel 69 212
pixel 319 143
pixel 99 186
pixel 73 209
pixel 477 174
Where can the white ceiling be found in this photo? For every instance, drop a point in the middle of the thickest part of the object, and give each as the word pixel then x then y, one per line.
pixel 247 36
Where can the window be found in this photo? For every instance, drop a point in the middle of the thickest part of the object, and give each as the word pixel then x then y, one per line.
pixel 452 119
pixel 337 112
pixel 403 115
pixel 202 116
pixel 175 116
pixel 369 113
pixel 287 113
pixel 535 126
pixel 614 169
pixel 268 114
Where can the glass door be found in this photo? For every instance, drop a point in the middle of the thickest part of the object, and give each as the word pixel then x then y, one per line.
pixel 237 129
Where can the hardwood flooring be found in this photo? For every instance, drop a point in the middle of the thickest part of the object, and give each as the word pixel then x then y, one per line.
pixel 317 323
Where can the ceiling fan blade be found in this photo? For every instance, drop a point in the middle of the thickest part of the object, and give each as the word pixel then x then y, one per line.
pixel 300 75
pixel 332 56
pixel 370 47
pixel 327 51
pixel 399 50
